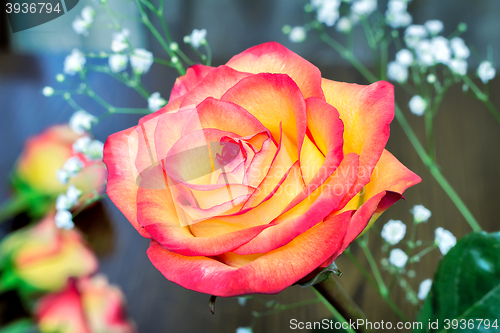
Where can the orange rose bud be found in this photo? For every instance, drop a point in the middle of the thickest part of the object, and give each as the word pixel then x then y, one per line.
pixel 256 173
pixel 41 258
pixel 86 305
pixel 44 155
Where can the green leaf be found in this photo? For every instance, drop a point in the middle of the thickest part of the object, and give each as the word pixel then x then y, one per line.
pixel 20 326
pixel 466 287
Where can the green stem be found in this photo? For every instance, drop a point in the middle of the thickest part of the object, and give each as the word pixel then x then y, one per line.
pixel 209 53
pixel 158 37
pixel 482 97
pixel 337 297
pixel 334 311
pixel 373 265
pixel 367 275
pixel 422 253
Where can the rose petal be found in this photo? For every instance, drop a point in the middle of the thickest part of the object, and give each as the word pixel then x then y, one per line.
pixel 157 213
pixel 122 186
pixel 184 84
pixel 269 274
pixel 214 85
pixel 274 99
pixel 308 213
pixel 275 58
pixel 366 112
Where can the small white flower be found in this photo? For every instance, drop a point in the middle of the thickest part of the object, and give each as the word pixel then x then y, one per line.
pixel 404 57
pixel 423 290
pixel 155 102
pixel 393 231
pixel 440 50
pixel 88 14
pixel 62 176
pixel 444 239
pixel 417 105
pixel 420 214
pixel 95 150
pixel 486 71
pixel 117 62
pixel 80 26
pixel 73 166
pixel 63 202
pixel 328 12
pixel 64 220
pixel 398 258
pixel 81 145
pixel 424 52
pixel 458 66
pixel 398 19
pixel 81 121
pixel 141 60
pixel 244 330
pixel 297 35
pixel 396 5
pixel 196 38
pixel 396 15
pixel 397 72
pixel 73 194
pixel 431 78
pixel 344 25
pixel 74 62
pixel 48 91
pixel 460 50
pixel 364 7
pixel 414 33
pixel 119 42
pixel 434 26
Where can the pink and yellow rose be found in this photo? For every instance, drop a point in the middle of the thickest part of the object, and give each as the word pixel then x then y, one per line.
pixel 256 173
pixel 46 153
pixel 41 258
pixel 87 305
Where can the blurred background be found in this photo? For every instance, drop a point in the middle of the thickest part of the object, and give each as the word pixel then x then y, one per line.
pixel 467 140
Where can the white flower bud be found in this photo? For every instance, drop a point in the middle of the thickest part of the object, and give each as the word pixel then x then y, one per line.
pixel 444 239
pixel 74 62
pixel 48 91
pixel 118 62
pixel 420 213
pixel 141 60
pixel 64 220
pixel 73 194
pixel 63 202
pixel 155 102
pixel 423 290
pixel 297 34
pixel 81 145
pixel 393 231
pixel 196 38
pixel 81 121
pixel 486 71
pixel 95 150
pixel 62 176
pixel 73 166
pixel 398 258
pixel 417 105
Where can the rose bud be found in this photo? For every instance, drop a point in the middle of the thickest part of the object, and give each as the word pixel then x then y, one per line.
pixel 256 173
pixel 42 257
pixel 86 305
pixel 49 164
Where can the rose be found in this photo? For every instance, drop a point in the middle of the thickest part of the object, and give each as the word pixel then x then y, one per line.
pixel 86 305
pixel 41 258
pixel 43 155
pixel 47 152
pixel 256 173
